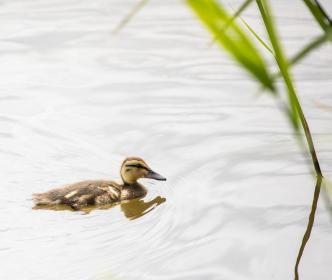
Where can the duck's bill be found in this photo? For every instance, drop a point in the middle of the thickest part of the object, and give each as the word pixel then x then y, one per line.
pixel 154 175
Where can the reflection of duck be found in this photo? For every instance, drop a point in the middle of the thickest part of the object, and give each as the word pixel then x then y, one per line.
pixel 132 209
pixel 102 192
pixel 136 208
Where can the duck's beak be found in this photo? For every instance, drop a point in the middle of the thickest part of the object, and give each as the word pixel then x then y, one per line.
pixel 154 175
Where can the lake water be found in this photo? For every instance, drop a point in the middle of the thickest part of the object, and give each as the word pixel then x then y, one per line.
pixel 76 100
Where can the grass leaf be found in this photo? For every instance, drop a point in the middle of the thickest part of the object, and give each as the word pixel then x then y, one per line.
pixel 233 39
pixel 281 60
pixel 296 109
pixel 312 46
pixel 265 45
pixel 317 14
pixel 243 6
pixel 130 16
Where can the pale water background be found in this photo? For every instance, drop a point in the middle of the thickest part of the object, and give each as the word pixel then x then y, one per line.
pixel 76 99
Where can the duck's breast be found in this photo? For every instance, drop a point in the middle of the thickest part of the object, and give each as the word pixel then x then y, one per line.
pixel 132 192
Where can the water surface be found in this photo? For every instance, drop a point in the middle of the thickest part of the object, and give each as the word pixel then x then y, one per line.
pixel 76 99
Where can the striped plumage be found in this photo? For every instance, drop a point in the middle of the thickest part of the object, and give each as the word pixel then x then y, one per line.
pixel 102 192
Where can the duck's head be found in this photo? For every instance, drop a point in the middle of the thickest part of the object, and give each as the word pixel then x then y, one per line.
pixel 134 168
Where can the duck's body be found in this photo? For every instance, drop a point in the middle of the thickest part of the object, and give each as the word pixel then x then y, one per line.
pixel 101 192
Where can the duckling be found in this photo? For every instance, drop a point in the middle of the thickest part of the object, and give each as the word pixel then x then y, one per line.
pixel 102 192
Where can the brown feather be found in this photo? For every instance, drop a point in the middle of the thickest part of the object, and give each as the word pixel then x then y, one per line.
pixel 100 192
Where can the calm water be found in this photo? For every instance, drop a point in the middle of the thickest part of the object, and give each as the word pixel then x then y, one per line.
pixel 76 99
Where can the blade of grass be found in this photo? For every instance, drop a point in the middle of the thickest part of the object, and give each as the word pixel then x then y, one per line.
pixel 320 7
pixel 280 59
pixel 243 6
pixel 265 45
pixel 283 67
pixel 233 39
pixel 313 45
pixel 310 224
pixel 237 15
pixel 130 16
pixel 317 13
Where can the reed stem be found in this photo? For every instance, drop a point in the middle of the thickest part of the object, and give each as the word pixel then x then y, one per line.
pixel 283 66
pixel 311 220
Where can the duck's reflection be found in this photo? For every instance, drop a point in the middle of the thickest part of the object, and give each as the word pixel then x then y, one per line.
pixel 132 209
pixel 136 208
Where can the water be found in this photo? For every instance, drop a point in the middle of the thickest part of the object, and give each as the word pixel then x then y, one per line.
pixel 76 99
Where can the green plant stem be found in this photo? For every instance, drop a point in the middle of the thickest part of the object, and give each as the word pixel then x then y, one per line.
pixel 317 13
pixel 311 46
pixel 324 13
pixel 256 36
pixel 131 14
pixel 280 59
pixel 234 39
pixel 316 43
pixel 237 14
pixel 309 139
pixel 283 67
pixel 243 6
pixel 311 221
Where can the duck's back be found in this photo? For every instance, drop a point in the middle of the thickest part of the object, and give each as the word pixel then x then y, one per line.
pixel 81 194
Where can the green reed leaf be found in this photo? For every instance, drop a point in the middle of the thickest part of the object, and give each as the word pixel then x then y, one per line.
pixel 265 45
pixel 296 112
pixel 318 14
pixel 130 15
pixel 237 14
pixel 243 6
pixel 281 60
pixel 314 44
pixel 233 39
pixel 239 11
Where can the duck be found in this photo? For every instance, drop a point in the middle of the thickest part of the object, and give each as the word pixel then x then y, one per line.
pixel 102 192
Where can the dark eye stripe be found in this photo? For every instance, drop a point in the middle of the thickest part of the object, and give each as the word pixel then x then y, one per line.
pixel 137 166
pixel 132 165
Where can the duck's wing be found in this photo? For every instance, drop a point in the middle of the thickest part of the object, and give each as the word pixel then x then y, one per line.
pixel 80 194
